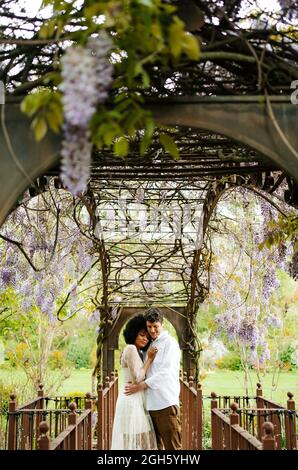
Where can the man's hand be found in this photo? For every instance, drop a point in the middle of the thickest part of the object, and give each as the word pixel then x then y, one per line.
pixel 130 388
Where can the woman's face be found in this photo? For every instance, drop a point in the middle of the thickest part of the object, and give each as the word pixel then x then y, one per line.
pixel 142 339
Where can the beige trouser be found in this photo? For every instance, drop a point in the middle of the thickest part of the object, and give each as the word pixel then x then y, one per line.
pixel 166 424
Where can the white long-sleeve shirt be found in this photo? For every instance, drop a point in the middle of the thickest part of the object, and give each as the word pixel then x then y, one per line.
pixel 163 374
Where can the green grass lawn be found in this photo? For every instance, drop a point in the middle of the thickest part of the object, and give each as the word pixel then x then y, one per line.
pixel 79 381
pixel 223 382
pixel 226 382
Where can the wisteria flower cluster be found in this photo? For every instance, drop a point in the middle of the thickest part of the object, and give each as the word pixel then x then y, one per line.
pixel 87 75
pixel 55 277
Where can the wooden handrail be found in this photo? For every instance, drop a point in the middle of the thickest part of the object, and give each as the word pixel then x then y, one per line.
pixel 106 405
pixel 221 415
pixel 253 441
pixel 229 435
pixel 61 437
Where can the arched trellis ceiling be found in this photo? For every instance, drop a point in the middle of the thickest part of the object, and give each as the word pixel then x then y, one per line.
pixel 150 230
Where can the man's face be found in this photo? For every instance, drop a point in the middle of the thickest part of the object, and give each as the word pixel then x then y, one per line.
pixel 154 329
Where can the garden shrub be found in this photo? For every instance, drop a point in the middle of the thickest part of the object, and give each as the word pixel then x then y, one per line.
pixel 288 359
pixel 230 361
pixel 58 359
pixel 79 355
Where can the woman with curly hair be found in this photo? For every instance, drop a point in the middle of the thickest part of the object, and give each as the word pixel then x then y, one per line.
pixel 133 428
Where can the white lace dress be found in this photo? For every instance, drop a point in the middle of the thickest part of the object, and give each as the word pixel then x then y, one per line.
pixel 132 428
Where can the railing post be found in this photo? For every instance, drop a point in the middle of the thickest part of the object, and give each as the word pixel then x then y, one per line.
pixel 116 389
pixel 214 423
pixel 268 438
pixel 12 429
pixel 72 420
pixel 234 419
pixel 199 417
pixel 40 391
pixel 107 413
pixel 191 414
pixel 290 423
pixel 111 407
pixel 185 411
pixel 40 403
pixel 43 442
pixel 100 417
pixel 260 404
pixel 88 406
pixel 182 395
pixel 113 396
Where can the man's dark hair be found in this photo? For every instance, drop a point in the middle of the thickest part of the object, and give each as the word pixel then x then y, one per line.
pixel 132 329
pixel 153 315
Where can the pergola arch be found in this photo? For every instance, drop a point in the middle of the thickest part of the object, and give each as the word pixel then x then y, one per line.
pixel 176 316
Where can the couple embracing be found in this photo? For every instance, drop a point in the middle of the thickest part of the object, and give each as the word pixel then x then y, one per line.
pixel 147 409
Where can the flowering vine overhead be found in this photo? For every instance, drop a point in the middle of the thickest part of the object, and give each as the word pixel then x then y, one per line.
pixel 95 93
pixel 87 75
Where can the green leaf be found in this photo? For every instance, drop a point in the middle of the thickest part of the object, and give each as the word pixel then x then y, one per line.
pixel 54 120
pixel 31 104
pixel 139 70
pixel 144 144
pixel 191 46
pixel 156 30
pixel 146 3
pixel 93 10
pixel 47 30
pixel 176 33
pixel 39 127
pixel 169 145
pixel 52 77
pixel 150 126
pixel 121 147
pixel 109 136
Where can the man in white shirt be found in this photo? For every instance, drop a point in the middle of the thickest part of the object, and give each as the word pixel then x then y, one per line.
pixel 162 384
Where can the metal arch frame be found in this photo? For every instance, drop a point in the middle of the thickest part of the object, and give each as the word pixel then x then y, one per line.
pixel 179 322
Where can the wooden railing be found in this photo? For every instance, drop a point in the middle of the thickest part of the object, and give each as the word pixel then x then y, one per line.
pixel 23 430
pixel 282 418
pixel 106 405
pixel 55 423
pixel 253 413
pixel 13 412
pixel 227 434
pixel 76 436
pixel 191 413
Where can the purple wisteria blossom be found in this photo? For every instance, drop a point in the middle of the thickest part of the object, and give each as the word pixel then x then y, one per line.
pixel 270 283
pixel 87 75
pixel 94 318
pixel 273 321
pixel 249 333
pixel 7 277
